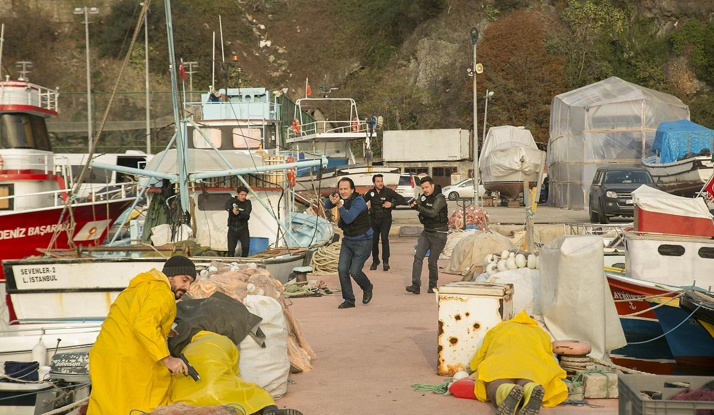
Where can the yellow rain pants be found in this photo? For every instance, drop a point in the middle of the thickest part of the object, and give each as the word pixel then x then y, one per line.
pixel 215 358
pixel 519 349
pixel 125 362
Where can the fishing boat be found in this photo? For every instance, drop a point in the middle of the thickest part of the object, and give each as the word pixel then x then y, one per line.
pixel 310 138
pixel 509 157
pixel 683 157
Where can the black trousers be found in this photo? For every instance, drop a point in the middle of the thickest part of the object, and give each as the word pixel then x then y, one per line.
pixel 381 228
pixel 243 236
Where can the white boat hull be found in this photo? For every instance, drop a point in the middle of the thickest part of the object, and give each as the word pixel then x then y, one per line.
pixel 683 177
pixel 361 176
pixel 17 341
pixel 511 186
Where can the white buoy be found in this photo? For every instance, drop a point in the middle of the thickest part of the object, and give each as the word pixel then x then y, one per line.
pixel 212 268
pixel 502 265
pixel 537 264
pixel 511 254
pixel 521 261
pixel 488 259
pixel 511 263
pixel 460 375
pixel 491 269
pixel 504 254
pixel 203 273
pixel 250 287
pixel 531 261
pixel 39 353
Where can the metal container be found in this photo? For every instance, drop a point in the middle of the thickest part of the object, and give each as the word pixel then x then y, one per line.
pixel 467 310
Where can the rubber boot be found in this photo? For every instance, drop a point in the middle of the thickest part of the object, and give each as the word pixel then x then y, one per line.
pixel 532 399
pixel 508 396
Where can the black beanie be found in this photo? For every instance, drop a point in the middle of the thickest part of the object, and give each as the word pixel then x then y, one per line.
pixel 179 265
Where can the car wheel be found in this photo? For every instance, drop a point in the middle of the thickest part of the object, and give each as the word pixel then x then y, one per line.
pixel 453 196
pixel 603 219
pixel 593 216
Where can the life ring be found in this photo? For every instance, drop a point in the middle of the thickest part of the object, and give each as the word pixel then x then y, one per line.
pixel 355 125
pixel 296 126
pixel 291 174
pixel 571 347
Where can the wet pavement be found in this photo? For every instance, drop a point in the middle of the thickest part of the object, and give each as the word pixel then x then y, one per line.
pixel 368 356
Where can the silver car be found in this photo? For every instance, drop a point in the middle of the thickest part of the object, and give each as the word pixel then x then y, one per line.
pixel 462 189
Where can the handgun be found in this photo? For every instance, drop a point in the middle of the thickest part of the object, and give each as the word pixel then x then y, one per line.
pixel 191 370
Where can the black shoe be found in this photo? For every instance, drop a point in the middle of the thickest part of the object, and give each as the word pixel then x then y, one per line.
pixel 431 290
pixel 346 304
pixel 367 297
pixel 374 265
pixel 414 289
pixel 386 266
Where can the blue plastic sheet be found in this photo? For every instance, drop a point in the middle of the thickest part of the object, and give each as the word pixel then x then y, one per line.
pixel 675 139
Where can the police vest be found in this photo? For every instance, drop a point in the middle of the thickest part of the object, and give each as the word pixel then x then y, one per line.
pixel 360 225
pixel 438 223
pixel 234 222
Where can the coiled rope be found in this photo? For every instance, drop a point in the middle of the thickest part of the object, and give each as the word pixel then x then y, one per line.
pixel 326 259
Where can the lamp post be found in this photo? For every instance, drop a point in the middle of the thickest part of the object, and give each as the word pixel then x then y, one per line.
pixel 474 41
pixel 487 98
pixel 146 75
pixel 86 11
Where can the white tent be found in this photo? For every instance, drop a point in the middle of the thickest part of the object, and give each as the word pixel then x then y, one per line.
pixel 509 154
pixel 608 122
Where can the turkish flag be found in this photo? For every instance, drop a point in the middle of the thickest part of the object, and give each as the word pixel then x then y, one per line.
pixel 709 188
pixel 182 71
pixel 308 90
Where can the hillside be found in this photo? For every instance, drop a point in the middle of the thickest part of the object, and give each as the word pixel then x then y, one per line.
pixel 404 60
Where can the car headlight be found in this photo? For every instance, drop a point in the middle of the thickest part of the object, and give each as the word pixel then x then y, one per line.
pixel 611 194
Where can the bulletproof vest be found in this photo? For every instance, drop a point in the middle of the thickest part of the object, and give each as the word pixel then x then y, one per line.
pixel 376 210
pixel 438 223
pixel 234 222
pixel 360 225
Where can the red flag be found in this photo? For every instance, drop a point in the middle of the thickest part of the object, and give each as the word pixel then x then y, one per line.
pixel 308 90
pixel 182 71
pixel 709 188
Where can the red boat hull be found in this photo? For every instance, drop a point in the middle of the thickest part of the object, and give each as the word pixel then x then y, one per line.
pixel 23 232
pixel 646 221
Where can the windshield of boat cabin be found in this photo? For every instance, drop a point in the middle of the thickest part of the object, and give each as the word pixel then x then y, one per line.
pixel 24 131
pixel 627 177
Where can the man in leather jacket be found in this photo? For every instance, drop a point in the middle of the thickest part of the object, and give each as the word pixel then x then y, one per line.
pixel 356 242
pixel 381 201
pixel 239 209
pixel 433 214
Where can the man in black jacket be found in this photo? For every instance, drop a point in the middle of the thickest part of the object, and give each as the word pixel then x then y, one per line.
pixel 381 202
pixel 239 209
pixel 434 215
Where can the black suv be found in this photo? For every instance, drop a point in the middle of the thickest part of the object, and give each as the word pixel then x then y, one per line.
pixel 611 191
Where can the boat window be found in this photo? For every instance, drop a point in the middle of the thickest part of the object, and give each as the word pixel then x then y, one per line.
pixel 706 252
pixel 213 201
pixel 627 177
pixel 5 191
pixel 671 250
pixel 24 131
pixel 247 137
pixel 213 134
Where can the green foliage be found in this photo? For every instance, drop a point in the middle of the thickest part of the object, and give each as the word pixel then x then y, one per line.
pixel 504 6
pixel 588 17
pixel 29 27
pixel 696 39
pixel 702 110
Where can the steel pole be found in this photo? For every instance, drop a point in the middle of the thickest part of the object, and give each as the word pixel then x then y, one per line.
pixel 89 80
pixel 475 135
pixel 148 94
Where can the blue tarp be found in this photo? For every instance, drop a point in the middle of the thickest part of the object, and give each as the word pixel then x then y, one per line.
pixel 677 138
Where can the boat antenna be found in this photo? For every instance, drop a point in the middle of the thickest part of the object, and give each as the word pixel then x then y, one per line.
pixel 2 41
pixel 223 56
pixel 213 77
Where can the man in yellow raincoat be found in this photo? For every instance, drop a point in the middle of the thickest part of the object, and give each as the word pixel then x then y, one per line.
pixel 129 365
pixel 516 363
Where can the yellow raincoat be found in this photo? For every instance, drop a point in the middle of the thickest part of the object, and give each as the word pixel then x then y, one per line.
pixel 215 358
pixel 519 349
pixel 125 363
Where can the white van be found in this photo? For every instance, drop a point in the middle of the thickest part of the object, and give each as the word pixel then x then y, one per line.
pixel 408 186
pixel 97 180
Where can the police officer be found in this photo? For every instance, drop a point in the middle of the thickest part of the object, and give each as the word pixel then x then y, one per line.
pixel 433 214
pixel 356 243
pixel 239 209
pixel 381 202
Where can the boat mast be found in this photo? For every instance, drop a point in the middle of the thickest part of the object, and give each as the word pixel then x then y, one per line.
pixel 2 40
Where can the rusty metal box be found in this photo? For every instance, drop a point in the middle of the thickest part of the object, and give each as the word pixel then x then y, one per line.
pixel 467 310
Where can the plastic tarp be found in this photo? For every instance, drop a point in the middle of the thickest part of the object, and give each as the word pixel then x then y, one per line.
pixel 675 139
pixel 509 150
pixel 526 287
pixel 472 250
pixel 654 200
pixel 575 297
pixel 452 240
pixel 611 121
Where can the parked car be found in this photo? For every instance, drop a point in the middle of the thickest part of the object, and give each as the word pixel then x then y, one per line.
pixel 408 186
pixel 462 189
pixel 611 191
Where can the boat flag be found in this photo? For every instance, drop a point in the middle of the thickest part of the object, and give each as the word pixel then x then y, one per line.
pixel 709 188
pixel 308 90
pixel 182 71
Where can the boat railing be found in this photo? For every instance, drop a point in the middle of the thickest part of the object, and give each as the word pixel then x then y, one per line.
pixel 118 191
pixel 36 162
pixel 231 110
pixel 37 96
pixel 355 126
